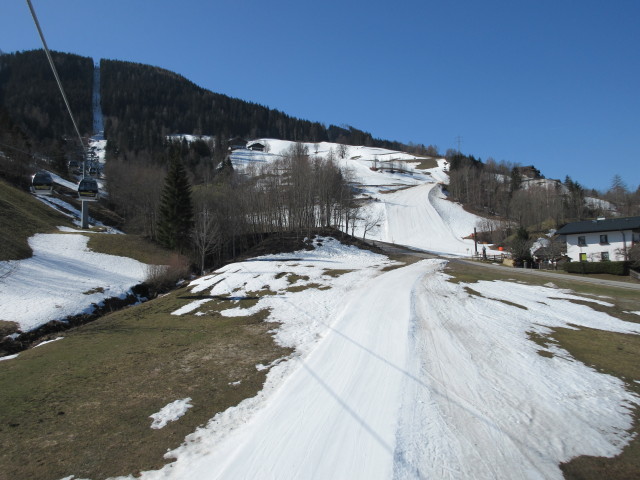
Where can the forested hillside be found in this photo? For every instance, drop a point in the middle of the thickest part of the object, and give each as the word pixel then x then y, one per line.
pixel 31 102
pixel 143 104
pixel 523 197
pixel 35 128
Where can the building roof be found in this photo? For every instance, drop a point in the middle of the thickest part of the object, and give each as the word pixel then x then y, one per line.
pixel 601 225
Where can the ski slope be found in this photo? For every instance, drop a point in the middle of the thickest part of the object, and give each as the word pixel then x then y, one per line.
pixel 416 213
pixel 395 374
pixel 394 380
pixel 422 218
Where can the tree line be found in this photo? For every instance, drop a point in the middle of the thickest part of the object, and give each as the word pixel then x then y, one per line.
pixel 510 194
pixel 31 102
pixel 143 104
pixel 214 221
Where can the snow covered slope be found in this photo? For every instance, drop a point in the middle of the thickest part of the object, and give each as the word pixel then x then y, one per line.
pixel 417 214
pixel 394 380
pixel 62 278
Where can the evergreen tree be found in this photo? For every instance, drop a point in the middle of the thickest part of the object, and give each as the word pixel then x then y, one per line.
pixel 176 209
pixel 520 247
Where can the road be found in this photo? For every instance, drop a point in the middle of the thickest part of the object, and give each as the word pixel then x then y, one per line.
pixel 395 249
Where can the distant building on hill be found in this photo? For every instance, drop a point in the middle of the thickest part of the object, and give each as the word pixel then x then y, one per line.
pixel 602 239
pixel 237 143
pixel 256 146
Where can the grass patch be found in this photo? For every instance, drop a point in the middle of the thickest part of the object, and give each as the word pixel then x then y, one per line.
pixel 472 292
pixel 402 261
pixel 81 405
pixel 507 302
pixel 300 288
pixel 475 293
pixel 7 328
pixel 21 217
pixel 335 272
pixel 427 163
pixel 543 341
pixel 94 290
pixel 615 354
pixel 132 246
pixel 252 298
pixel 468 273
pixel 294 278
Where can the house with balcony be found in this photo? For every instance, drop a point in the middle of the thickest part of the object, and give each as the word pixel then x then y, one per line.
pixel 601 240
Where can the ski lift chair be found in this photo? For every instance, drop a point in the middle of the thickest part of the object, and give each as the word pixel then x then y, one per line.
pixel 88 189
pixel 42 183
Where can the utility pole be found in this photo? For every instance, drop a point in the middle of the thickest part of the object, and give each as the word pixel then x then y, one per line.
pixel 475 239
pixel 458 142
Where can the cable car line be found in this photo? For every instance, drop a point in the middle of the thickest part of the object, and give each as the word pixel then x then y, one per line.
pixel 55 71
pixel 87 187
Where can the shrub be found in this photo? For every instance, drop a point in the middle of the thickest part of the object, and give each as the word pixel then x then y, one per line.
pixel 161 278
pixel 612 268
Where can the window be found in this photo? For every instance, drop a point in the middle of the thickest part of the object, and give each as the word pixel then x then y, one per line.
pixel 604 256
pixel 582 241
pixel 583 257
pixel 604 239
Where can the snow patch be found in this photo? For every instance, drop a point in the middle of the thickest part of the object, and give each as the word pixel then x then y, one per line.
pixel 59 280
pixel 170 413
pixel 48 341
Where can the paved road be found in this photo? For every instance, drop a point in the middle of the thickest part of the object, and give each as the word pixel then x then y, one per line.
pixel 395 249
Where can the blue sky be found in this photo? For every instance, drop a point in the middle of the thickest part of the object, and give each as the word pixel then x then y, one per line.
pixel 555 84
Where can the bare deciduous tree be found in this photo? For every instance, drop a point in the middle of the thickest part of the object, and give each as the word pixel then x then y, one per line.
pixel 371 219
pixel 206 234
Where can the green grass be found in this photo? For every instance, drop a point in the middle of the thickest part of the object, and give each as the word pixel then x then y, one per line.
pixel 132 246
pixel 22 216
pixel 81 405
pixel 611 353
pixel 427 163
pixel 335 272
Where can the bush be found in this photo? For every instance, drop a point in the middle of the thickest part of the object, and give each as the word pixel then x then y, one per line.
pixel 161 278
pixel 612 268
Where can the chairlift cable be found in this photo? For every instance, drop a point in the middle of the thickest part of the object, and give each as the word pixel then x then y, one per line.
pixel 55 72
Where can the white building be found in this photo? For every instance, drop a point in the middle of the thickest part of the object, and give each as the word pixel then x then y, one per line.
pixel 602 239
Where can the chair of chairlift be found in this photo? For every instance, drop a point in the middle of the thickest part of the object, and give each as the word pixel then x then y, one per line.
pixel 41 183
pixel 88 189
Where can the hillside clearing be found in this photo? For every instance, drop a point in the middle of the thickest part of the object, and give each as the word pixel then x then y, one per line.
pixel 22 216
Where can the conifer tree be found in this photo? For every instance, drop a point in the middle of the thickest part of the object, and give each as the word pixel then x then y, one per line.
pixel 175 219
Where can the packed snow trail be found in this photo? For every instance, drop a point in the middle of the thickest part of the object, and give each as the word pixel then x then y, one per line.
pixel 336 415
pixel 419 218
pixel 418 377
